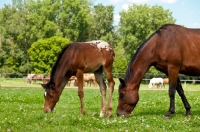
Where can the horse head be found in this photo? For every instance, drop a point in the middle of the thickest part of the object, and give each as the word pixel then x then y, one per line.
pixel 51 96
pixel 128 99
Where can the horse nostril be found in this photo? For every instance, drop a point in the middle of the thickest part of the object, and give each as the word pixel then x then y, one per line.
pixel 47 110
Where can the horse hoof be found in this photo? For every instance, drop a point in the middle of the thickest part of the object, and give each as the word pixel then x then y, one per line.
pixel 167 116
pixel 102 114
pixel 83 112
pixel 188 115
pixel 109 114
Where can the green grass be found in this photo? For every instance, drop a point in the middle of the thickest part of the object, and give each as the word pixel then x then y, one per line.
pixel 21 109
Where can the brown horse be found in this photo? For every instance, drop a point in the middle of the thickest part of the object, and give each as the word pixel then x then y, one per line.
pixel 71 79
pixel 165 81
pixel 37 77
pixel 46 79
pixel 75 59
pixel 172 49
pixel 89 78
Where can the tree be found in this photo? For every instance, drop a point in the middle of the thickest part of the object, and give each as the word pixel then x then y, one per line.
pixel 102 22
pixel 43 53
pixel 12 28
pixel 138 23
pixel 26 21
pixel 73 19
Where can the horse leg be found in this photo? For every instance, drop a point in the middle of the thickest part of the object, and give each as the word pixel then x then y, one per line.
pixel 183 98
pixel 161 85
pixel 102 86
pixel 173 77
pixel 111 83
pixel 79 75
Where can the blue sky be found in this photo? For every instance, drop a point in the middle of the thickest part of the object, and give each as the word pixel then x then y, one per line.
pixel 186 12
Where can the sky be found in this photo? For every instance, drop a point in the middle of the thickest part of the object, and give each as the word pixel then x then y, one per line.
pixel 186 12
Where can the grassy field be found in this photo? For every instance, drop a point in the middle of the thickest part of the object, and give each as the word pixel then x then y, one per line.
pixel 21 109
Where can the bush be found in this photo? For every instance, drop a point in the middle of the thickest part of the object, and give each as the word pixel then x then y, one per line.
pixel 43 53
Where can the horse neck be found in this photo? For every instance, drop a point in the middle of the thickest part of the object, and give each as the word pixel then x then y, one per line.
pixel 59 78
pixel 136 77
pixel 142 62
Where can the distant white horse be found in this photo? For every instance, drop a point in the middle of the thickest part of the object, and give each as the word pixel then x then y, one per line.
pixel 156 81
pixel 29 78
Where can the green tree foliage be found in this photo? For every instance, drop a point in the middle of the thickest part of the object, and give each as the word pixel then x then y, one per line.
pixel 43 53
pixel 102 22
pixel 26 21
pixel 73 19
pixel 138 23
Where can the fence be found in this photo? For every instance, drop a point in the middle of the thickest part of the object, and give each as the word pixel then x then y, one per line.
pixel 146 78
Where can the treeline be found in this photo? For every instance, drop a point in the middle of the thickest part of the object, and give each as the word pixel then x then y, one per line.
pixel 29 25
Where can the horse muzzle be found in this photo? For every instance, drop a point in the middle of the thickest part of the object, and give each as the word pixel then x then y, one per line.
pixel 48 110
pixel 123 113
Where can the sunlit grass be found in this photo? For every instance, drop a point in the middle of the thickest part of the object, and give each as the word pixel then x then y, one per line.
pixel 21 109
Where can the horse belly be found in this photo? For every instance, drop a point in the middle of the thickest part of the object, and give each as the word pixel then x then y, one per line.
pixel 190 70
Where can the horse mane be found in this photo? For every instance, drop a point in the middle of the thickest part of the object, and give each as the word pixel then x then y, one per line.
pixel 58 59
pixel 129 69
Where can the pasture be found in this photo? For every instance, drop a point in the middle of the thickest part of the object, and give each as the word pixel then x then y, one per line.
pixel 21 109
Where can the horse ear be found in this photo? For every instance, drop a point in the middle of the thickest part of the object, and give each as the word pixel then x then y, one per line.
pixel 52 86
pixel 122 81
pixel 44 86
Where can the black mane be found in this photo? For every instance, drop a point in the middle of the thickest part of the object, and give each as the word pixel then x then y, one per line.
pixel 58 59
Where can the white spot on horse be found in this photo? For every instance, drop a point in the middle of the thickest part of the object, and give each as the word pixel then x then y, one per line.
pixel 45 93
pixel 101 44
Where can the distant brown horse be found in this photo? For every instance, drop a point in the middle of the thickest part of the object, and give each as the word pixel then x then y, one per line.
pixel 37 77
pixel 71 79
pixel 46 79
pixel 172 49
pixel 75 59
pixel 89 78
pixel 165 81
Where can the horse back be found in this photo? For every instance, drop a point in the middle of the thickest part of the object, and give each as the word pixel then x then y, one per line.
pixel 85 56
pixel 178 46
pixel 90 55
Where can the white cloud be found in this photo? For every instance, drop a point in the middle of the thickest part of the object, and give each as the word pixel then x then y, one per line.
pixel 182 3
pixel 191 13
pixel 116 19
pixel 115 1
pixel 152 1
pixel 125 7
pixel 169 1
pixel 139 1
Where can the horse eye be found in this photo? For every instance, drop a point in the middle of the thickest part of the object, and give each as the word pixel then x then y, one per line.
pixel 121 95
pixel 50 95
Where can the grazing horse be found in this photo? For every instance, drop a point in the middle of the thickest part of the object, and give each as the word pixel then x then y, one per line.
pixel 29 78
pixel 156 81
pixel 76 59
pixel 46 79
pixel 172 49
pixel 89 78
pixel 71 79
pixel 165 81
pixel 38 77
